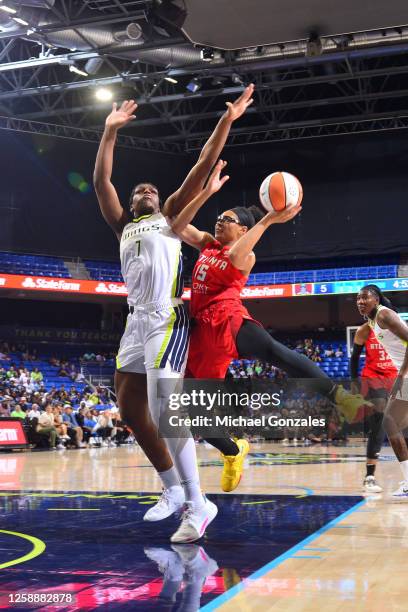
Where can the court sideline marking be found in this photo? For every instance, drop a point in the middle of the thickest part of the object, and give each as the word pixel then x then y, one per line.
pixel 228 595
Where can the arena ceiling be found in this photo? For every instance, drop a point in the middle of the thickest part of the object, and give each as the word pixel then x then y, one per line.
pixel 333 69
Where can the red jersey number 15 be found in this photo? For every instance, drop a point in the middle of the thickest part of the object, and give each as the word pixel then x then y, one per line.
pixel 201 272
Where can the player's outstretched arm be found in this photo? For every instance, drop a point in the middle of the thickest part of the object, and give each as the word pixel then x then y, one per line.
pixel 197 176
pixel 109 203
pixel 360 339
pixel 241 255
pixel 215 182
pixel 181 224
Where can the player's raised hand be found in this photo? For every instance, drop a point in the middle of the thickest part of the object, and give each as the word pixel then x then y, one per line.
pixel 238 108
pixel 284 215
pixel 216 181
pixel 119 117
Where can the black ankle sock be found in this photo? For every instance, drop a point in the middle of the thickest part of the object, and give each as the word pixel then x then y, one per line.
pixel 370 469
pixel 227 446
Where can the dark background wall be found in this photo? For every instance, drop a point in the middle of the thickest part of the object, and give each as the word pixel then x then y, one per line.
pixel 355 194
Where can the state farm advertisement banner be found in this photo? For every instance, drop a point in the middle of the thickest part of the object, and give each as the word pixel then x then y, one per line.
pixel 61 285
pixel 11 432
pixel 92 287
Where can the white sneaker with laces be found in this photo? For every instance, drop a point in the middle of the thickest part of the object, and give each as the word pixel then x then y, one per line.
pixel 194 521
pixel 60 446
pixel 171 500
pixel 371 485
pixel 402 492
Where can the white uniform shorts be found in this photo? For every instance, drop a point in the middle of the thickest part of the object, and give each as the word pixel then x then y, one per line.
pixel 156 337
pixel 403 395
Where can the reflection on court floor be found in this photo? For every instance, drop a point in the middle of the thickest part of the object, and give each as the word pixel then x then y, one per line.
pixel 98 547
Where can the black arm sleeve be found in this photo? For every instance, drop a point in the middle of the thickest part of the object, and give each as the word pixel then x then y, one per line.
pixel 354 360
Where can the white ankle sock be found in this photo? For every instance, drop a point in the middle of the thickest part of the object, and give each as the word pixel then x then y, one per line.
pixel 170 478
pixel 404 469
pixel 192 491
pixel 183 453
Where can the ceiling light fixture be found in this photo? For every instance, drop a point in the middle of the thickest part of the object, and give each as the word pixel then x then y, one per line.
pixel 103 95
pixel 7 9
pixel 77 70
pixel 20 21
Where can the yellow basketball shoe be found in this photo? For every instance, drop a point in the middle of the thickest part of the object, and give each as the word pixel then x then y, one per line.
pixel 354 407
pixel 233 466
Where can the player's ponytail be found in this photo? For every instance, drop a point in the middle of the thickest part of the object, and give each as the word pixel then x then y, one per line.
pixel 384 301
pixel 248 216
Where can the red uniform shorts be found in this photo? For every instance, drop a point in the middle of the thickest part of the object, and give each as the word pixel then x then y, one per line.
pixel 375 383
pixel 212 341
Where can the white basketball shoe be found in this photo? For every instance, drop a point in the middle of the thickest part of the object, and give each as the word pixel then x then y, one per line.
pixel 371 485
pixel 170 501
pixel 401 493
pixel 194 522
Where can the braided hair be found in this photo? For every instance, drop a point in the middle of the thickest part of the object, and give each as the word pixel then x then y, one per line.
pixel 384 301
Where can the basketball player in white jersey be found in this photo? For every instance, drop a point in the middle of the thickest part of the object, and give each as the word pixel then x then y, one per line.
pixel 153 347
pixel 392 333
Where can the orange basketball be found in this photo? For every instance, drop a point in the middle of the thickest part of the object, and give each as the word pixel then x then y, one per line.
pixel 280 190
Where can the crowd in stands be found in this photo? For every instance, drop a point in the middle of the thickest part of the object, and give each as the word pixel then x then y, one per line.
pixel 249 368
pixel 61 416
pixel 76 415
pixel 98 357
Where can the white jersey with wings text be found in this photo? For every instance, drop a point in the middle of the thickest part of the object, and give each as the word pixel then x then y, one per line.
pixel 151 261
pixel 394 346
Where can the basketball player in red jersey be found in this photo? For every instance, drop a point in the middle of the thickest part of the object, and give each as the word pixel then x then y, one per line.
pixel 377 378
pixel 223 329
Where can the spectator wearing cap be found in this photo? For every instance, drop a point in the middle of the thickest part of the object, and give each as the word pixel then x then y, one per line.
pixel 70 419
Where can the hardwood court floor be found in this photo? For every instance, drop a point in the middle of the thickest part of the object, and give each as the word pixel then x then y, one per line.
pixel 296 535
